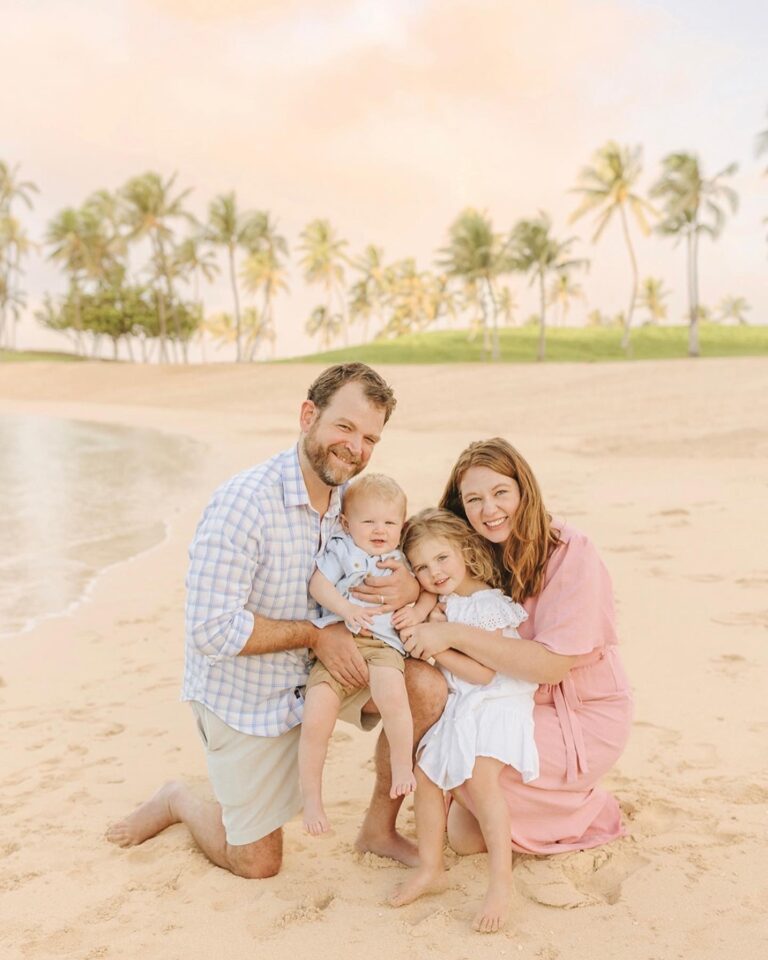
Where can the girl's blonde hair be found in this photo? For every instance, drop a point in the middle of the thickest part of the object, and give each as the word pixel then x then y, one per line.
pixel 522 560
pixel 443 525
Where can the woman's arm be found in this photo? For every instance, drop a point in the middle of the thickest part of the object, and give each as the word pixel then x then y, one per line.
pixel 512 656
pixel 465 667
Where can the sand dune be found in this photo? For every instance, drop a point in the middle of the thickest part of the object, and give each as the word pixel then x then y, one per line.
pixel 664 464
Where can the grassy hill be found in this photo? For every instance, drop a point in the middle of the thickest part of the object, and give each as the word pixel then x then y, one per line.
pixel 21 356
pixel 589 345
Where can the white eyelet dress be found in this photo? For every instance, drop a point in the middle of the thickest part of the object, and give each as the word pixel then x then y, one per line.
pixel 491 720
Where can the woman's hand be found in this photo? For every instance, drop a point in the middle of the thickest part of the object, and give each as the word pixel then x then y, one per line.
pixel 425 640
pixel 390 592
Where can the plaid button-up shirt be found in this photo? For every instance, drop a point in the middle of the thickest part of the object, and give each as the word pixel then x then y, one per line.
pixel 253 552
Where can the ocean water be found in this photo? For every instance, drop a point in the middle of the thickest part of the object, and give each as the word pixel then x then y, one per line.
pixel 75 498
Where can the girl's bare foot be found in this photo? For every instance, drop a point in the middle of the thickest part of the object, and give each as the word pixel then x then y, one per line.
pixel 422 881
pixel 151 818
pixel 403 782
pixel 315 821
pixel 493 913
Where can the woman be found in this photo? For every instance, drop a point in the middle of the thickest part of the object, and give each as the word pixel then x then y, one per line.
pixel 583 704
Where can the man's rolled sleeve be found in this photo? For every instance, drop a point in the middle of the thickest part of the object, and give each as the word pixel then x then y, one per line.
pixel 224 557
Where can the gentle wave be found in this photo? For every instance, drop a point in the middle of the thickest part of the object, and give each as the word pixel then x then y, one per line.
pixel 75 498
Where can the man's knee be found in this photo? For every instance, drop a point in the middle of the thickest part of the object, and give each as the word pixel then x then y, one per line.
pixel 259 860
pixel 427 687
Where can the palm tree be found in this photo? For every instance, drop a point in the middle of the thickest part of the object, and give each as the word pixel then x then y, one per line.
pixel 193 261
pixel 326 326
pixel 734 308
pixel 264 269
pixel 476 254
pixel 323 262
pixel 13 189
pixel 368 294
pixel 233 230
pixel 562 291
pixel 607 187
pixel 652 298
pixel 688 197
pixel 761 146
pixel 532 249
pixel 507 305
pixel 14 246
pixel 150 208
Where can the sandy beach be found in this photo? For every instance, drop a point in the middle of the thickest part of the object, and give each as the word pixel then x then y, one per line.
pixel 664 464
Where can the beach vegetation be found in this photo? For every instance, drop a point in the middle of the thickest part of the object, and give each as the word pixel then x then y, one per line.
pixel 608 187
pixel 532 249
pixel 693 205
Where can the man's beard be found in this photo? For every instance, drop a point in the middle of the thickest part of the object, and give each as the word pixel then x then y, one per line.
pixel 333 472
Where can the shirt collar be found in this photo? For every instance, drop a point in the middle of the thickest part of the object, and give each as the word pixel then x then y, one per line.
pixel 295 492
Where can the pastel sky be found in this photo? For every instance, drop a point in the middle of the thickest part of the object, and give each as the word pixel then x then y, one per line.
pixel 389 117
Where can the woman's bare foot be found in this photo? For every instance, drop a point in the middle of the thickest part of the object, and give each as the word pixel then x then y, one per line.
pixel 148 820
pixel 315 820
pixel 493 913
pixel 422 881
pixel 403 782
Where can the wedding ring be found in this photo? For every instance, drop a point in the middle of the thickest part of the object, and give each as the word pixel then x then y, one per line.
pixel 381 598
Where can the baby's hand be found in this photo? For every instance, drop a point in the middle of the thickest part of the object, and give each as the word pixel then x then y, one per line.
pixel 360 618
pixel 405 617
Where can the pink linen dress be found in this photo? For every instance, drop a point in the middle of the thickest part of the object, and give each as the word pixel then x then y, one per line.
pixel 581 725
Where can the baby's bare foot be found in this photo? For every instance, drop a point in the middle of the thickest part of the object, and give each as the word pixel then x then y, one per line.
pixel 315 821
pixel 422 881
pixel 151 818
pixel 493 913
pixel 403 782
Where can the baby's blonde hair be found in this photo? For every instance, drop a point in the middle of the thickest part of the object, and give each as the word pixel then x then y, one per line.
pixel 444 525
pixel 375 485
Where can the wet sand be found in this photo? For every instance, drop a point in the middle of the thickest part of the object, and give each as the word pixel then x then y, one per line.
pixel 663 464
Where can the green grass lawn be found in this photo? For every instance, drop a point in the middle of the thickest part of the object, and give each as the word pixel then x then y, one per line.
pixel 21 356
pixel 588 345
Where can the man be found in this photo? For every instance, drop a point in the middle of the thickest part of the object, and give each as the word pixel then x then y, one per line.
pixel 249 637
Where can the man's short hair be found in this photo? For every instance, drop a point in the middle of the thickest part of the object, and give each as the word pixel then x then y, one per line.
pixel 375 388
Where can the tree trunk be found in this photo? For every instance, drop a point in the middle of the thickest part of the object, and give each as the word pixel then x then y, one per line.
pixel 542 318
pixel 694 347
pixel 233 281
pixel 496 352
pixel 625 340
pixel 693 293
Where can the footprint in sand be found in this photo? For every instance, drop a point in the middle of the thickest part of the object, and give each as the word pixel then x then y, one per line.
pixel 111 730
pixel 579 879
pixel 308 911
pixel 756 618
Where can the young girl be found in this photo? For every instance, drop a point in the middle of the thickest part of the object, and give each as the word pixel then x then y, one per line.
pixel 488 719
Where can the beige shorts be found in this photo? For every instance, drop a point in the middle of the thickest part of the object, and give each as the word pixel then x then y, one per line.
pixel 376 653
pixel 255 779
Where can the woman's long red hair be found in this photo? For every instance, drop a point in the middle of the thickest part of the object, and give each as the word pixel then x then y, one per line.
pixel 522 559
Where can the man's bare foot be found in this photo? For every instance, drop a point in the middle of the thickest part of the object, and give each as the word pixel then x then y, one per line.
pixel 493 913
pixel 422 881
pixel 315 820
pixel 390 845
pixel 403 782
pixel 148 820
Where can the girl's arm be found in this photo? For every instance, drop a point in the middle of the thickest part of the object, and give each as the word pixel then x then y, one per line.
pixel 512 656
pixel 326 594
pixel 465 667
pixel 418 613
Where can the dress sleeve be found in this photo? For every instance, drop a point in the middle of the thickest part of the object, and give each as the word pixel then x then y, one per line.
pixel 574 613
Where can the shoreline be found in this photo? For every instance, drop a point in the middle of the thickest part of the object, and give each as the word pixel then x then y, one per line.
pixel 94 722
